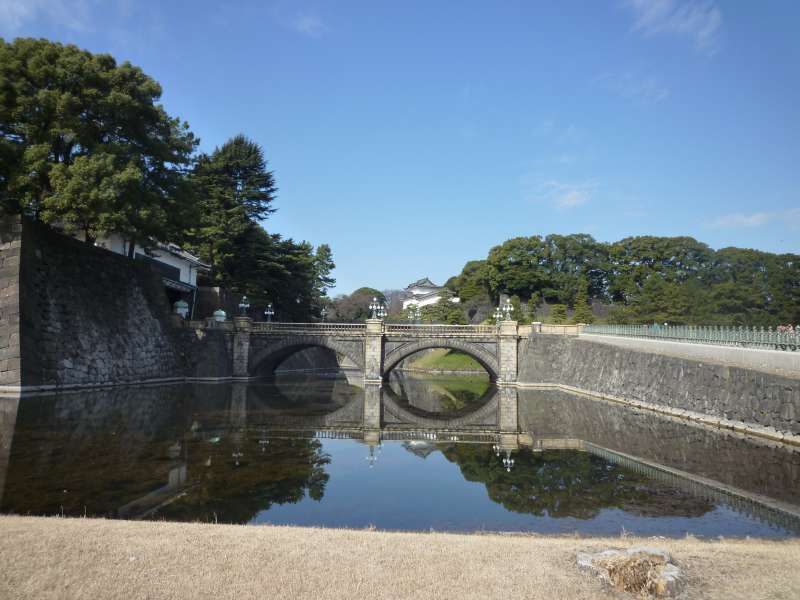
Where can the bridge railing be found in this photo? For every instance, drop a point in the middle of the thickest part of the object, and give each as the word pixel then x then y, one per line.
pixel 209 324
pixel 311 328
pixel 352 328
pixel 440 330
pixel 749 337
pixel 559 329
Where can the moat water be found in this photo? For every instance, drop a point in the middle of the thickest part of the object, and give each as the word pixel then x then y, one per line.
pixel 442 453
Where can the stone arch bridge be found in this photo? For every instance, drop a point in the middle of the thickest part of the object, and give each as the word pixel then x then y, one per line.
pixel 374 347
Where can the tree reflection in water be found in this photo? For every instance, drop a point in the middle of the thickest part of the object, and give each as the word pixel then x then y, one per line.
pixel 263 452
pixel 283 471
pixel 569 483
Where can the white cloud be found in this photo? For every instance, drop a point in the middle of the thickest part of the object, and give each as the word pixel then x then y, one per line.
pixel 631 86
pixel 559 194
pixel 15 14
pixel 571 197
pixel 309 24
pixel 757 219
pixel 698 20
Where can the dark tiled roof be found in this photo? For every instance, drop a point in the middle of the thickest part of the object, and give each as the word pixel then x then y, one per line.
pixel 424 282
pixel 181 253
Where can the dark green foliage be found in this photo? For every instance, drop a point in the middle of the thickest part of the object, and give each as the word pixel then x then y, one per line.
pixel 235 191
pixel 443 311
pixel 582 312
pixel 472 282
pixel 84 143
pixel 518 312
pixel 558 314
pixel 323 267
pixel 269 269
pixel 645 279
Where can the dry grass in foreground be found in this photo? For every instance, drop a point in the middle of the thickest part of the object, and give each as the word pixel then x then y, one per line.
pixel 87 558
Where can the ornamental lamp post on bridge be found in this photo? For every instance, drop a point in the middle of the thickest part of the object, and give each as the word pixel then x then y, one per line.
pixel 244 306
pixel 268 312
pixel 508 308
pixel 498 315
pixel 373 307
pixel 324 313
pixel 414 314
pixel 378 309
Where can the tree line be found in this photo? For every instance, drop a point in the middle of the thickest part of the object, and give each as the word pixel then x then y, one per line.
pixel 641 279
pixel 86 146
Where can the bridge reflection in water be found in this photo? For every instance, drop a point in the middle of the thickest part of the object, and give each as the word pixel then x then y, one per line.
pixel 405 455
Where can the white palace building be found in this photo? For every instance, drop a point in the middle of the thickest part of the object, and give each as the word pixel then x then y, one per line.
pixel 424 293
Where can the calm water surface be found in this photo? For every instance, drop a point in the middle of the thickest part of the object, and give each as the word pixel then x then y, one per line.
pixel 419 453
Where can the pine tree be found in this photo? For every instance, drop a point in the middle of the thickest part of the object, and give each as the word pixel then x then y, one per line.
pixel 236 192
pixel 582 311
pixel 558 314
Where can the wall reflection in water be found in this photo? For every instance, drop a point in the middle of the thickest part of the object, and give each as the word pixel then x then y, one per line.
pixel 313 450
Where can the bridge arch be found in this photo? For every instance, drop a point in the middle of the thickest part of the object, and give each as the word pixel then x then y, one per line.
pixel 486 359
pixel 264 360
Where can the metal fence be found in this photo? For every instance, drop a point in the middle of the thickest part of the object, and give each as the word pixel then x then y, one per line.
pixel 748 337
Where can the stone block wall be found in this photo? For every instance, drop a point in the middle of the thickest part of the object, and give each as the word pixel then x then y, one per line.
pixel 205 354
pixel 75 315
pixel 726 392
pixel 10 250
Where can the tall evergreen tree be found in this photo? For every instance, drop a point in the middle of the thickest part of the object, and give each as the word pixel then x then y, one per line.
pixel 582 312
pixel 558 314
pixel 235 190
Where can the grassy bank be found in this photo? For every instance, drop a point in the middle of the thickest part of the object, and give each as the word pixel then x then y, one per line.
pixel 88 558
pixel 442 359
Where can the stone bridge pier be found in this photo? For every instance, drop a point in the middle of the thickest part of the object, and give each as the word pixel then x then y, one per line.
pixel 374 347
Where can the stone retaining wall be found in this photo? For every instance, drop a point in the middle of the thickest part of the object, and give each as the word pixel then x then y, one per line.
pixel 76 315
pixel 777 362
pixel 726 392
pixel 10 249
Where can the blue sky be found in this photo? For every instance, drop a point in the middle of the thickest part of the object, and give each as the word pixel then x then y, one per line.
pixel 414 136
